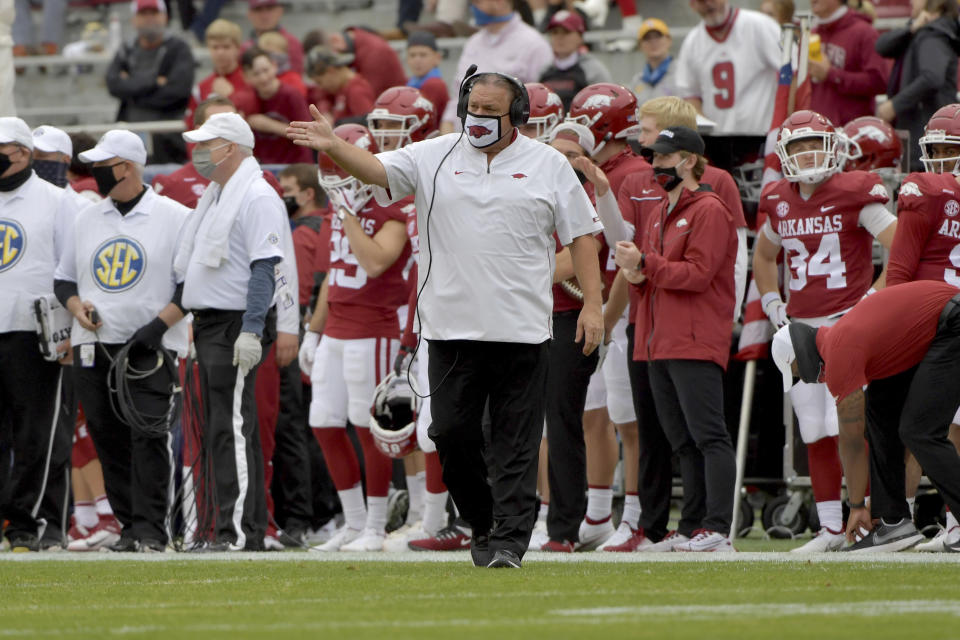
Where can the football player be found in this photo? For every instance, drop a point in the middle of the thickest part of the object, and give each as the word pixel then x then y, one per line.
pixel 927 243
pixel 824 221
pixel 546 112
pixel 357 315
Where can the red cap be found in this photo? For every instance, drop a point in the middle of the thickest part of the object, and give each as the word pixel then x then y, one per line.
pixel 149 5
pixel 256 4
pixel 569 20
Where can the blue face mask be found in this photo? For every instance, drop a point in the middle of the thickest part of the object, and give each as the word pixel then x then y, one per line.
pixel 482 18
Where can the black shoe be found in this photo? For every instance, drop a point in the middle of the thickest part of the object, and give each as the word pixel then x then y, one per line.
pixel 23 543
pixel 124 545
pixel 504 559
pixel 480 550
pixel 51 545
pixel 254 545
pixel 293 537
pixel 151 546
pixel 217 546
pixel 888 537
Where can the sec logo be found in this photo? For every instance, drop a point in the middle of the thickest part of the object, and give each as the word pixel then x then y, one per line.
pixel 951 208
pixel 12 243
pixel 783 209
pixel 118 264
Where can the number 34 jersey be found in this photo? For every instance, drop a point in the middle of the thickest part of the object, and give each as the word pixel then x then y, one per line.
pixel 361 306
pixel 827 239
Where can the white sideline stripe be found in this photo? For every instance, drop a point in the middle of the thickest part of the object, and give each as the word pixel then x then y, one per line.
pixel 866 609
pixel 240 458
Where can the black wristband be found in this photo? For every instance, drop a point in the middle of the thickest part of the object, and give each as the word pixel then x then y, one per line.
pixel 859 505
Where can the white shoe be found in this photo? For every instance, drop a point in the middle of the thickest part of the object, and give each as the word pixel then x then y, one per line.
pixel 270 543
pixel 369 540
pixel 667 544
pixel 938 543
pixel 706 540
pixel 594 534
pixel 824 541
pixel 397 540
pixel 539 536
pixel 323 534
pixel 626 538
pixel 344 535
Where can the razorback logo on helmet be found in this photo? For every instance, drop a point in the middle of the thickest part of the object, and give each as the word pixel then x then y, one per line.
pixel 554 100
pixel 783 208
pixel 597 100
pixel 478 131
pixel 12 243
pixel 363 142
pixel 910 189
pixel 423 103
pixel 874 133
pixel 118 264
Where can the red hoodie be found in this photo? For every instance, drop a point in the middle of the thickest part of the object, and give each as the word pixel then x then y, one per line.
pixel 857 74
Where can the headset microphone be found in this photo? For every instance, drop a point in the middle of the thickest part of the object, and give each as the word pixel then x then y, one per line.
pixel 472 69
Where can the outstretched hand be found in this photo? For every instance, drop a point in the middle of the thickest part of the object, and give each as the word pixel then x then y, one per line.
pixel 593 173
pixel 318 135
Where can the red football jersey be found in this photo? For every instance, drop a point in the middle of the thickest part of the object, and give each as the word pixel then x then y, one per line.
pixel 186 186
pixel 285 106
pixel 927 243
pixel 361 306
pixel 830 256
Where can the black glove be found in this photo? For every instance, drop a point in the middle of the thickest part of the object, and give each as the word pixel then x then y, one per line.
pixel 150 335
pixel 400 364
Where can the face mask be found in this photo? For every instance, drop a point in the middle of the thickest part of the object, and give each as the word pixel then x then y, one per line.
pixel 52 171
pixel 482 18
pixel 151 33
pixel 291 203
pixel 581 176
pixel 105 179
pixel 482 131
pixel 203 164
pixel 667 177
pixel 5 163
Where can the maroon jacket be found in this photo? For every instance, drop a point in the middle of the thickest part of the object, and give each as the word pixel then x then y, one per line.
pixel 686 303
pixel 857 73
pixel 375 60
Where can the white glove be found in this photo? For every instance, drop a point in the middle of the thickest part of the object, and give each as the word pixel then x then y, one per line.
pixel 775 308
pixel 602 349
pixel 308 351
pixel 247 352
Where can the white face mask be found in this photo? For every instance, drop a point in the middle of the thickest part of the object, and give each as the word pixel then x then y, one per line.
pixel 482 131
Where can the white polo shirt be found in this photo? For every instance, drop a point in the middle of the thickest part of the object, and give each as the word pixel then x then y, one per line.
pixel 123 264
pixel 34 227
pixel 490 234
pixel 257 233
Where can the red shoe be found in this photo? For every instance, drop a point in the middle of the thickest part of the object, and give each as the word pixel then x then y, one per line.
pixel 77 531
pixel 450 538
pixel 627 540
pixel 102 536
pixel 558 546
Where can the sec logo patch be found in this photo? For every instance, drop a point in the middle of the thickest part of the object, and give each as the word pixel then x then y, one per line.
pixel 783 209
pixel 12 243
pixel 951 208
pixel 118 264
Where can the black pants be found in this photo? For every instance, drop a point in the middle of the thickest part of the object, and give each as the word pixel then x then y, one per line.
pixel 655 477
pixel 567 382
pixel 231 434
pixel 464 375
pixel 915 408
pixel 689 398
pixel 29 388
pixel 137 467
pixel 56 495
pixel 291 462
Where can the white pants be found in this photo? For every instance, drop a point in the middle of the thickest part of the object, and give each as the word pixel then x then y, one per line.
pixel 345 375
pixel 610 387
pixel 814 405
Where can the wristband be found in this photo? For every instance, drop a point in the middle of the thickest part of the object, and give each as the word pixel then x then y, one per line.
pixel 767 298
pixel 643 262
pixel 858 505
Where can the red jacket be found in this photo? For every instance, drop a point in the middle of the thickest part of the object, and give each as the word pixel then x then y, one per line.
pixel 686 303
pixel 204 89
pixel 375 60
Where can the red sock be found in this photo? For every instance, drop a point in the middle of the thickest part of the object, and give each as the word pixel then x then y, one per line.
pixel 340 457
pixel 434 473
pixel 826 471
pixel 379 467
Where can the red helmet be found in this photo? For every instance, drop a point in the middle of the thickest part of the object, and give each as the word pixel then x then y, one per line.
pixel 407 106
pixel 942 129
pixel 546 109
pixel 804 125
pixel 342 188
pixel 608 110
pixel 393 417
pixel 871 144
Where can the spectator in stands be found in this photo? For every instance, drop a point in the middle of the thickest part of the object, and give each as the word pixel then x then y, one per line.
pixel 924 76
pixel 152 77
pixel 54 20
pixel 223 39
pixel 276 45
pixel 659 75
pixel 373 57
pixel 503 44
pixel 78 173
pixel 423 61
pixel 341 93
pixel 848 74
pixel 572 68
pixel 208 15
pixel 265 15
pixel 864 7
pixel 780 10
pixel 728 66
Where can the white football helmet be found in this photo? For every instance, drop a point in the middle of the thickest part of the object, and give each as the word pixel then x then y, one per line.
pixel 393 417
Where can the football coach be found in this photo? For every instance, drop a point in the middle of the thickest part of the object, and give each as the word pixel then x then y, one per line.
pixel 488 201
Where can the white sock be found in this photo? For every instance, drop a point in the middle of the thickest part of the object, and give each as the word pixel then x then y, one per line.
pixel 354 512
pixel 86 514
pixel 434 512
pixel 599 503
pixel 103 506
pixel 416 491
pixel 951 520
pixel 830 514
pixel 910 502
pixel 377 513
pixel 631 510
pixel 542 513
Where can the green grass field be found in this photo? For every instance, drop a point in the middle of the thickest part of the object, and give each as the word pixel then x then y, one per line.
pixel 300 595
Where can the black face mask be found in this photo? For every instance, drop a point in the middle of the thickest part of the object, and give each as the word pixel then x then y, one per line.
pixel 52 171
pixel 667 178
pixel 581 176
pixel 291 203
pixel 105 179
pixel 4 163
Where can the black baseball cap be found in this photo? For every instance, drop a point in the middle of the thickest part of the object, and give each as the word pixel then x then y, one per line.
pixel 674 139
pixel 809 362
pixel 422 39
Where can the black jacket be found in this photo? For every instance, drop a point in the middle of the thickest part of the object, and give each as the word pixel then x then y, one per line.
pixel 924 76
pixel 141 97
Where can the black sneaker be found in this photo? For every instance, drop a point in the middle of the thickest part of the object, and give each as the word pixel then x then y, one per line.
pixel 124 545
pixel 23 543
pixel 293 537
pixel 151 546
pixel 504 559
pixel 480 550
pixel 888 537
pixel 218 546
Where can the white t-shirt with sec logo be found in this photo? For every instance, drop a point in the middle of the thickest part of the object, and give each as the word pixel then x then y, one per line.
pixel 123 264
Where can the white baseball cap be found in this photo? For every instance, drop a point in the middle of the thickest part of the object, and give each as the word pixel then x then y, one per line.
pixel 577 132
pixel 228 126
pixel 15 130
pixel 51 139
pixel 117 143
pixel 783 355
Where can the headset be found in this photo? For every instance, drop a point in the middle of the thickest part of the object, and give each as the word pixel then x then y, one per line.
pixel 519 106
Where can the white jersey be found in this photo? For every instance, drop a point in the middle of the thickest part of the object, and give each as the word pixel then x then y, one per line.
pixel 123 264
pixel 736 78
pixel 34 228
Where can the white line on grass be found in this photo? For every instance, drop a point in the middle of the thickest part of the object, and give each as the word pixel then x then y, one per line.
pixel 866 609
